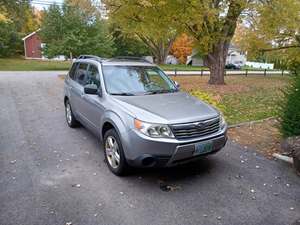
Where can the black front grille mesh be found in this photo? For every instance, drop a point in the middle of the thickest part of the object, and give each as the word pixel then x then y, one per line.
pixel 196 129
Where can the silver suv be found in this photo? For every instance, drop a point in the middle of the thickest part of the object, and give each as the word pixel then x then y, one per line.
pixel 139 114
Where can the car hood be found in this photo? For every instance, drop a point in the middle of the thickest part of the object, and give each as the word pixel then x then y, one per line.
pixel 170 108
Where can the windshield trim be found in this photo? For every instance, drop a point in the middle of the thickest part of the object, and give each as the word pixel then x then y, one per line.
pixel 139 93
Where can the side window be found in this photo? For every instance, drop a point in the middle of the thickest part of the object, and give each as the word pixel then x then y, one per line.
pixel 93 76
pixel 81 74
pixel 72 70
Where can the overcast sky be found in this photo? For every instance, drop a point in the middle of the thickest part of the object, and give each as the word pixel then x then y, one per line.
pixel 40 4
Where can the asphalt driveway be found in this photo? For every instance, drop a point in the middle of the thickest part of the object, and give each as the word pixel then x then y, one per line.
pixel 51 174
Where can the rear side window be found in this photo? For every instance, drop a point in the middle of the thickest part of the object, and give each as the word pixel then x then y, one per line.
pixel 72 70
pixel 81 74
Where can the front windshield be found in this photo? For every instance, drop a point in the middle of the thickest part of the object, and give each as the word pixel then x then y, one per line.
pixel 134 80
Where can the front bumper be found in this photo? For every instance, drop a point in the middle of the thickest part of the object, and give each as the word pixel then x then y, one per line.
pixel 143 151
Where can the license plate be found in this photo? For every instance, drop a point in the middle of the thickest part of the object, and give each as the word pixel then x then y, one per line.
pixel 203 147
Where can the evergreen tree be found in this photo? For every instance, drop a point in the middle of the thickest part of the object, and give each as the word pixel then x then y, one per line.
pixel 70 31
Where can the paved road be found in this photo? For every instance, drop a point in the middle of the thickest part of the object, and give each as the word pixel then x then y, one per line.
pixel 59 175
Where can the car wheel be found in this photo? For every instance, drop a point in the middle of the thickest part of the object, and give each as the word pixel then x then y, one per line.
pixel 71 121
pixel 114 154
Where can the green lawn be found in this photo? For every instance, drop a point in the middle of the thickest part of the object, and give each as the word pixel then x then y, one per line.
pixel 182 67
pixel 15 64
pixel 18 64
pixel 242 99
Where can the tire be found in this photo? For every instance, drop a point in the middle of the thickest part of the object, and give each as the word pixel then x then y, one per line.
pixel 70 118
pixel 114 154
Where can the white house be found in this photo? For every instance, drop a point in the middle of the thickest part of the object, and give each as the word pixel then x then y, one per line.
pixel 235 56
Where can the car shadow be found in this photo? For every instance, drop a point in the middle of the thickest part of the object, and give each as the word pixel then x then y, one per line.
pixel 171 179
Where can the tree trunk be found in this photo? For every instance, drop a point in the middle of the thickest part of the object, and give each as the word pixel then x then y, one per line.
pixel 162 51
pixel 159 57
pixel 159 49
pixel 216 61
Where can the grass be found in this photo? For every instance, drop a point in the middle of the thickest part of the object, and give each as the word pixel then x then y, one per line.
pixel 182 67
pixel 17 64
pixel 242 99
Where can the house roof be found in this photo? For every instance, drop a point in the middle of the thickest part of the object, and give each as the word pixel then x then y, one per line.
pixel 29 35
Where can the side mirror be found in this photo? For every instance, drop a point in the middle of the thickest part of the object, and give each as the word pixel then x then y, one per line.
pixel 177 85
pixel 91 89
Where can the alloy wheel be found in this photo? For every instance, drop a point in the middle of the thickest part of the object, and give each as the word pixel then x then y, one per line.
pixel 68 113
pixel 112 152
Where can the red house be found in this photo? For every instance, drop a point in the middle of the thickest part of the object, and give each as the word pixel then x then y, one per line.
pixel 33 46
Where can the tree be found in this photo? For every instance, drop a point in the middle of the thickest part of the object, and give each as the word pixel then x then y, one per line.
pixel 212 24
pixel 273 33
pixel 182 47
pixel 88 8
pixel 278 22
pixel 20 13
pixel 126 45
pixel 16 20
pixel 70 30
pixel 10 40
pixel 147 20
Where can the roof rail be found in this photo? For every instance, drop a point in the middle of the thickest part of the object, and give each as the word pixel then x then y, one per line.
pixel 130 58
pixel 90 57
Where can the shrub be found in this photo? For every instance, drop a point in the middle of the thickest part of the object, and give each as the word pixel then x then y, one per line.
pixel 10 41
pixel 210 99
pixel 290 109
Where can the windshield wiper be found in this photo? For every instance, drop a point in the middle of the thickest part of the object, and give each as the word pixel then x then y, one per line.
pixel 159 92
pixel 123 94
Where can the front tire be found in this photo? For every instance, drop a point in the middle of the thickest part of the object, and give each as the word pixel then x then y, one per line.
pixel 70 118
pixel 114 154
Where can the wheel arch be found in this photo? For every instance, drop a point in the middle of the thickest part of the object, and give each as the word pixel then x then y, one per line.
pixel 106 126
pixel 65 100
pixel 112 121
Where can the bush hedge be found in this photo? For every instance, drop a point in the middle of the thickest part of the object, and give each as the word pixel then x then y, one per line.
pixel 208 98
pixel 290 109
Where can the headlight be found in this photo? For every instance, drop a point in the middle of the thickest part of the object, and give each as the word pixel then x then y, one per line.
pixel 153 130
pixel 222 122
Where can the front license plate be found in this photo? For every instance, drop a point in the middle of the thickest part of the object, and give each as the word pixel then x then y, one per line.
pixel 203 147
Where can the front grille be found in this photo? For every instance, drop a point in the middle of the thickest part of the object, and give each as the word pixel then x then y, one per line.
pixel 196 129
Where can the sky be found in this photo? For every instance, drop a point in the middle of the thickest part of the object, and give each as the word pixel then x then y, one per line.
pixel 44 4
pixel 40 4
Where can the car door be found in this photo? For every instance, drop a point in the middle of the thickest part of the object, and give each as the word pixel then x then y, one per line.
pixel 77 91
pixel 69 83
pixel 91 105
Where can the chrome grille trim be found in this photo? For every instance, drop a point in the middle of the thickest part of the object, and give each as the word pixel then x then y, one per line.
pixel 191 130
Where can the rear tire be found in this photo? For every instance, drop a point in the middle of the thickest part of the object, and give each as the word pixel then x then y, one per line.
pixel 114 154
pixel 70 118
